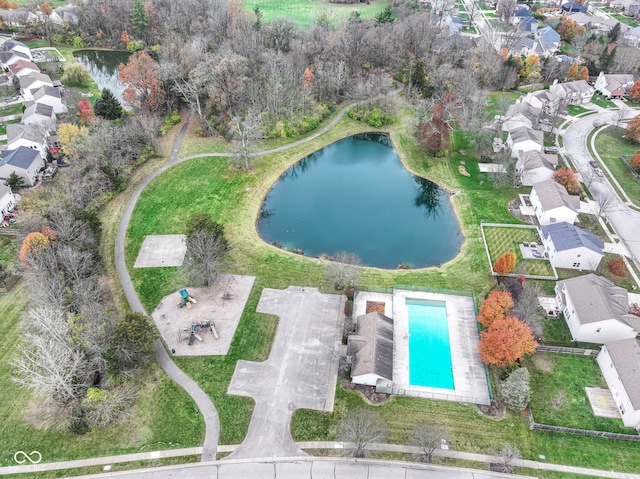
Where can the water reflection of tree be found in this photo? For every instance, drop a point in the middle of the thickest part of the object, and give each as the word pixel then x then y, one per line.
pixel 301 166
pixel 429 197
pixel 374 137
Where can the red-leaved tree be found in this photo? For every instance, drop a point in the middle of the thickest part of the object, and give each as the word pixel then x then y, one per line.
pixel 497 306
pixel 506 341
pixel 635 161
pixel 506 263
pixel 143 88
pixel 434 133
pixel 85 111
pixel 633 129
pixel 634 91
pixel 617 267
pixel 568 177
pixel 34 243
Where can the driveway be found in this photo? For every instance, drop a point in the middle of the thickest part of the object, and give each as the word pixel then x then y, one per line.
pixel 625 220
pixel 301 371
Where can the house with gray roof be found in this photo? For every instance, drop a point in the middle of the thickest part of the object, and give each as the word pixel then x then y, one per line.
pixel 7 199
pixel 619 362
pixel 552 203
pixel 49 95
pixel 524 139
pixel 543 100
pixel 30 83
pixel 614 86
pixel 632 37
pixel 520 114
pixel 573 92
pixel 9 58
pixel 571 247
pixel 534 166
pixel 16 46
pixel 596 310
pixel 31 136
pixel 371 349
pixel 38 113
pixel 24 162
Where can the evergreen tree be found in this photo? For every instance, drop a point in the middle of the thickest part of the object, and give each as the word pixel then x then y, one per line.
pixel 614 33
pixel 139 18
pixel 14 181
pixel 107 106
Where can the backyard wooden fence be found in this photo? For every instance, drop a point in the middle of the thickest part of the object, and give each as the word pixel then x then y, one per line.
pixel 563 350
pixel 628 165
pixel 583 432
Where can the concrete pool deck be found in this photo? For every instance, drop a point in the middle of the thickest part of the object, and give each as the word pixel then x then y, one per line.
pixel 469 376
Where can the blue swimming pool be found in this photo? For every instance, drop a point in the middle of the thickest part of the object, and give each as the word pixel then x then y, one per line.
pixel 429 349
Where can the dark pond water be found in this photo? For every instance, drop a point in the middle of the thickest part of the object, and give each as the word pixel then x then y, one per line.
pixel 354 195
pixel 103 66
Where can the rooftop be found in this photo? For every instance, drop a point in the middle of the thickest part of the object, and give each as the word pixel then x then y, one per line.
pixel 22 157
pixel 554 195
pixel 372 346
pixel 625 355
pixel 566 236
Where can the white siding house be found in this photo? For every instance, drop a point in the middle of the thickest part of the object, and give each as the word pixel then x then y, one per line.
pixel 39 113
pixel 534 166
pixel 7 199
pixel 49 95
pixel 619 362
pixel 596 310
pixel 614 86
pixel 29 84
pixel 22 161
pixel 571 247
pixel 16 46
pixel 552 203
pixel 23 68
pixel 574 92
pixel 30 136
pixel 524 139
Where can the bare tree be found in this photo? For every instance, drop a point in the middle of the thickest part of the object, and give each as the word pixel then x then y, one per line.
pixel 246 131
pixel 605 203
pixel 205 255
pixel 506 9
pixel 528 308
pixel 507 456
pixel 342 269
pixel 428 438
pixel 361 429
pixel 48 362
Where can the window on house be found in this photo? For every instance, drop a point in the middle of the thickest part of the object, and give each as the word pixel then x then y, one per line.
pixel 552 220
pixel 576 265
pixel 598 330
pixel 579 255
pixel 622 409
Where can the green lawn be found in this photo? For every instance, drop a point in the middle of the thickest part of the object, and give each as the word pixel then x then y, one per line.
pixel 8 252
pixel 591 223
pixel 626 281
pixel 626 20
pixel 163 417
pixel 502 239
pixel 305 11
pixel 575 110
pixel 602 101
pixel 610 145
pixel 11 110
pixel 558 397
pixel 489 14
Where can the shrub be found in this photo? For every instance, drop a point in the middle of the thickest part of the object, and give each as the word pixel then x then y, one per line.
pixel 505 264
pixel 135 45
pixel 515 390
pixel 375 117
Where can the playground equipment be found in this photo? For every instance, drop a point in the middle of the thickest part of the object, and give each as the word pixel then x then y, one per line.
pixel 192 336
pixel 186 300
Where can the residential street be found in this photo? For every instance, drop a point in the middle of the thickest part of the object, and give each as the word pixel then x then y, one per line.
pixel 625 220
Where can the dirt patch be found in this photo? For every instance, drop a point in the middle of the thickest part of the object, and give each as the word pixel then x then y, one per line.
pixel 375 307
pixel 543 362
pixel 496 410
pixel 368 392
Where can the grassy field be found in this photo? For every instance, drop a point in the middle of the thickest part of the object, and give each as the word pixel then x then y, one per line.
pixel 575 110
pixel 625 281
pixel 8 252
pixel 501 240
pixel 11 110
pixel 626 20
pixel 306 11
pixel 610 145
pixel 602 101
pixel 558 397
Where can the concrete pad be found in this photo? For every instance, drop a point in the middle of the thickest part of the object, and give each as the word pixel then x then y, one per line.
pixel 616 248
pixel 161 251
pixel 301 371
pixel 222 303
pixel 602 403
pixel 491 168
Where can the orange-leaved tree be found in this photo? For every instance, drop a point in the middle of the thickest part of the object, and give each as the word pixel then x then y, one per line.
pixel 141 78
pixel 34 243
pixel 506 341
pixel 505 264
pixel 584 74
pixel 633 129
pixel 496 306
pixel 635 161
pixel 568 177
pixel 85 111
pixel 617 267
pixel 634 91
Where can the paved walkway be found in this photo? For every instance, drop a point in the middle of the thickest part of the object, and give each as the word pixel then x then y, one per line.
pixel 337 446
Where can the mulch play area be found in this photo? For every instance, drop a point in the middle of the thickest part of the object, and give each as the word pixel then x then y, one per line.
pixel 214 311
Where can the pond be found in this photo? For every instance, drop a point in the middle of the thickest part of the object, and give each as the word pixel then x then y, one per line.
pixel 356 196
pixel 103 66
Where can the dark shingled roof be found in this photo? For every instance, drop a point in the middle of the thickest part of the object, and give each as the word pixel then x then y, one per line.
pixel 22 157
pixel 39 109
pixel 372 346
pixel 625 355
pixel 566 236
pixel 553 195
